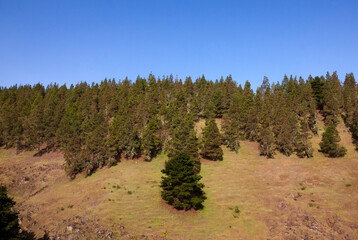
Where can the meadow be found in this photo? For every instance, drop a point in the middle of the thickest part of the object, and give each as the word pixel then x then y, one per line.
pixel 248 197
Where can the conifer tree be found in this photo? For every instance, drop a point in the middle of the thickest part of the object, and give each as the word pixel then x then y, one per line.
pixel 231 136
pixel 287 132
pixel 216 102
pixel 317 84
pixel 54 103
pixel 251 130
pixel 8 116
pixel 332 93
pixel 329 144
pixel 210 110
pixel 266 135
pixel 354 128
pixel 36 123
pixel 68 135
pixel 267 143
pixel 350 98
pixel 303 146
pixel 183 139
pixel 151 144
pixel 212 141
pixel 94 139
pixel 123 138
pixel 9 222
pixel 98 124
pixel 181 187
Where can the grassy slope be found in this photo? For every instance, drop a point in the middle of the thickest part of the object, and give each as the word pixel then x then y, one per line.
pixel 274 196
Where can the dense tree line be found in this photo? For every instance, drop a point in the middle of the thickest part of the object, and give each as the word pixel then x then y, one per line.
pixel 98 124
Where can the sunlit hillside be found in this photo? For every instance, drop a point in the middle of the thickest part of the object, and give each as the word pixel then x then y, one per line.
pixel 249 197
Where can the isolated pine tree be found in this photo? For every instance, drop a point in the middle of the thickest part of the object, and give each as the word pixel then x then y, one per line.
pixel 212 141
pixel 329 144
pixel 181 187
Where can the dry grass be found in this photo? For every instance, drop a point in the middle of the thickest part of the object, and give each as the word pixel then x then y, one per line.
pixel 281 198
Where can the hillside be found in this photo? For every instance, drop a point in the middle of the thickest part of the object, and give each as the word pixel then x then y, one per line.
pixel 281 198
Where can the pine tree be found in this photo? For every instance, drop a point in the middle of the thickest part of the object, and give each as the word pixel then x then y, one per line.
pixel 68 136
pixel 9 222
pixel 251 130
pixel 97 124
pixel 354 128
pixel 123 138
pixel 151 144
pixel 329 144
pixel 8 115
pixel 267 143
pixel 303 146
pixel 283 117
pixel 317 84
pixel 266 135
pixel 231 136
pixel 181 187
pixel 350 98
pixel 94 149
pixel 36 123
pixel 54 104
pixel 287 132
pixel 212 141
pixel 183 139
pixel 333 99
pixel 216 102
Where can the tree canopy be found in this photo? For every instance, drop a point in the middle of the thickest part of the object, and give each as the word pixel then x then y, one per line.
pixel 102 123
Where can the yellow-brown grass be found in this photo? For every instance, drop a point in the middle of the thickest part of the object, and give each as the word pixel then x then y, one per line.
pixel 279 198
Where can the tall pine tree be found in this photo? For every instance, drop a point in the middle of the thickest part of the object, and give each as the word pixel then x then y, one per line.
pixel 212 140
pixel 329 144
pixel 181 187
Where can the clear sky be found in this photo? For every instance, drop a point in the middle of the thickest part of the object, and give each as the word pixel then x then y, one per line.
pixel 73 41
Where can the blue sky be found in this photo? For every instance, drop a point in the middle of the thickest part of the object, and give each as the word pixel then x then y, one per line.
pixel 73 41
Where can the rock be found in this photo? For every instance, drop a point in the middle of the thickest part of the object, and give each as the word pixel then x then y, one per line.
pixel 109 234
